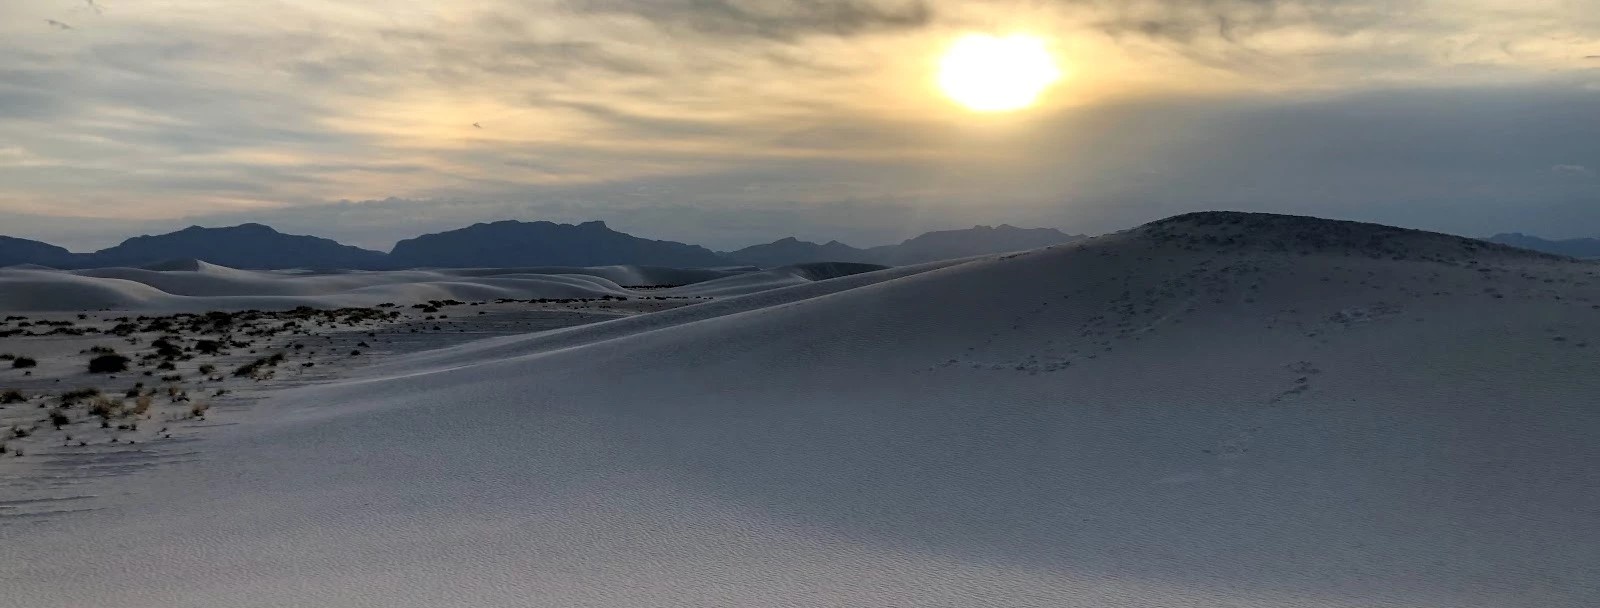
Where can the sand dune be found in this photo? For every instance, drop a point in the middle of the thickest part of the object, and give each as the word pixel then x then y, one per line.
pixel 786 276
pixel 1213 410
pixel 194 285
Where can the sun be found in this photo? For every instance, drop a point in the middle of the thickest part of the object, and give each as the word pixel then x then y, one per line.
pixel 997 74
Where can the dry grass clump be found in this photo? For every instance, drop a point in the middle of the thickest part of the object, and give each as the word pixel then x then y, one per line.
pixel 198 409
pixel 12 396
pixel 141 405
pixel 260 368
pixel 105 407
pixel 72 397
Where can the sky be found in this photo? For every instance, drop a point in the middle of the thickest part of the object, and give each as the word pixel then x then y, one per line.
pixel 732 122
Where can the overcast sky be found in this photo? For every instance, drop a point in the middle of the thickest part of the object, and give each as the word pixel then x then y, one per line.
pixel 731 122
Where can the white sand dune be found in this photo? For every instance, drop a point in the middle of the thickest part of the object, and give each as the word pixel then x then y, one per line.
pixel 1216 410
pixel 631 276
pixel 193 285
pixel 785 276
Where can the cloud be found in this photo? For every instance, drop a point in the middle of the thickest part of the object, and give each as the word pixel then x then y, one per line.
pixel 1572 170
pixel 775 19
pixel 57 24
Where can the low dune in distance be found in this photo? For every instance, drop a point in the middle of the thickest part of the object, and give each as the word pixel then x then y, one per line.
pixel 195 286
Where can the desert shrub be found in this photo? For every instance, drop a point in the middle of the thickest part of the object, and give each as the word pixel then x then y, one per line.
pixel 12 396
pixel 7 356
pixel 249 369
pixel 105 408
pixel 166 366
pixel 141 405
pixel 22 362
pixel 108 364
pixel 208 369
pixel 198 410
pixel 102 350
pixel 72 397
pixel 19 432
pixel 252 368
pixel 58 419
pixel 166 347
pixel 208 347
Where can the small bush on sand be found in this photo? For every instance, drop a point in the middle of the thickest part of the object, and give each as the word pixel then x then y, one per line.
pixel 208 369
pixel 72 397
pixel 141 405
pixel 108 364
pixel 58 419
pixel 105 408
pixel 12 396
pixel 22 362
pixel 198 410
pixel 7 356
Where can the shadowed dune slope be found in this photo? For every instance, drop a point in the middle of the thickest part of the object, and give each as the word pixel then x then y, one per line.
pixel 1212 410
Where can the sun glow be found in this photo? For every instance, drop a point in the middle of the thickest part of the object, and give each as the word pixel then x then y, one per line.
pixel 993 74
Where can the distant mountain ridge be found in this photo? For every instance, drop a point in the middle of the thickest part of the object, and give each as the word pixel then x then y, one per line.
pixel 514 243
pixel 15 251
pixel 508 243
pixel 928 247
pixel 249 246
pixel 1578 248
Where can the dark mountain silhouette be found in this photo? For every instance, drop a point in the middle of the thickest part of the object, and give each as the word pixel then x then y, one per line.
pixel 15 251
pixel 1578 248
pixel 940 245
pixel 251 246
pixel 787 251
pixel 507 244
pixel 513 243
pixel 977 240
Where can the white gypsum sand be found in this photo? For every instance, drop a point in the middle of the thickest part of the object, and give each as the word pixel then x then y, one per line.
pixel 193 285
pixel 1213 410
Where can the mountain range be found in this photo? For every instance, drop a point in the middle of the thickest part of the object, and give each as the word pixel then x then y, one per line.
pixel 510 243
pixel 1578 248
pixel 940 245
